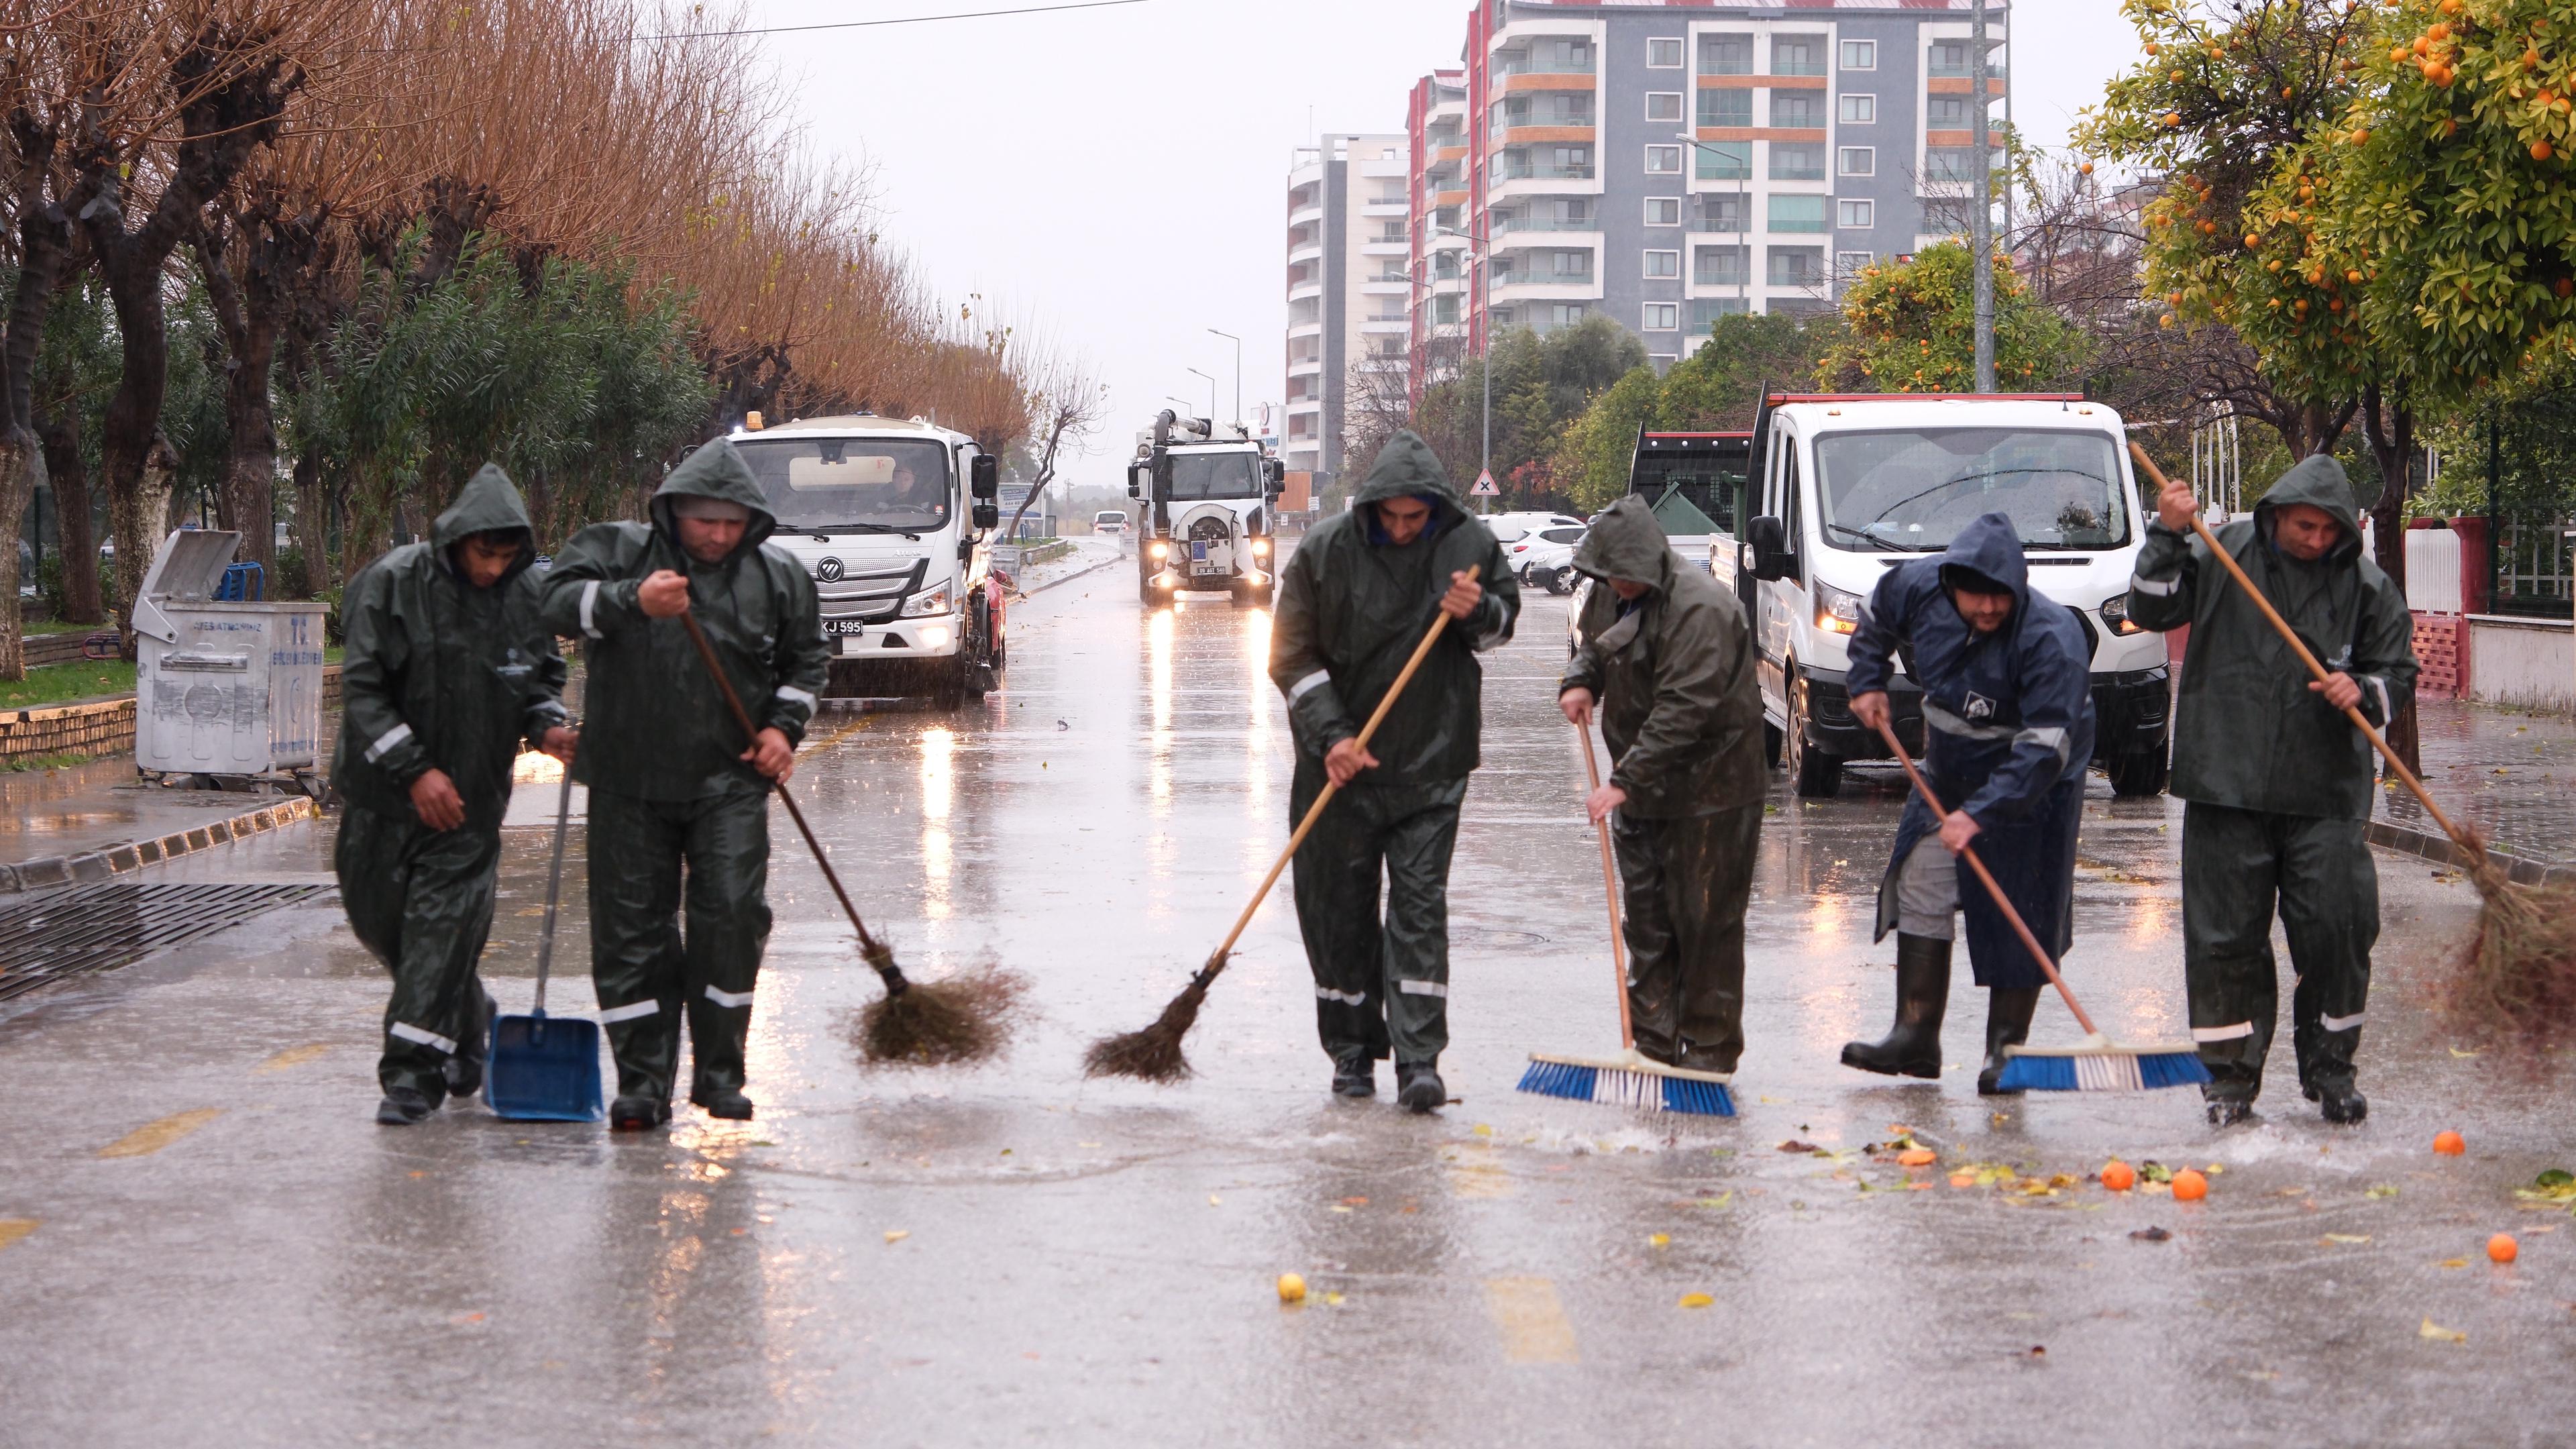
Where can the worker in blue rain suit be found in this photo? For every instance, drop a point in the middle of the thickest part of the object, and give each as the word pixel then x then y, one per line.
pixel 445 669
pixel 672 781
pixel 2008 717
pixel 1354 602
pixel 2277 782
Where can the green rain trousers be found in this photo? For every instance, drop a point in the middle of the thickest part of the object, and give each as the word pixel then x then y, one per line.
pixel 1378 984
pixel 2235 864
pixel 646 972
pixel 421 900
pixel 1686 881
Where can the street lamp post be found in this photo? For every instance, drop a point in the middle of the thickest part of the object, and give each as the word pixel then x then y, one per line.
pixel 1211 382
pixel 1238 370
pixel 1484 262
pixel 1743 216
pixel 1981 220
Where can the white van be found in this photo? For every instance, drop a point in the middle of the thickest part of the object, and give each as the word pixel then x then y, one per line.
pixel 1846 487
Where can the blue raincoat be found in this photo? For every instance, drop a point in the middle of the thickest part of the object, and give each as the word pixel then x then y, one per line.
pixel 2009 721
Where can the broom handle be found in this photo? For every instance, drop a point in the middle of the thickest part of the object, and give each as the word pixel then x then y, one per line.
pixel 2235 570
pixel 554 886
pixel 1610 886
pixel 1314 812
pixel 742 717
pixel 1969 854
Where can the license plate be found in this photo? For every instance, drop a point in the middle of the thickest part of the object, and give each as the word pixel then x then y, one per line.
pixel 843 628
pixel 1201 570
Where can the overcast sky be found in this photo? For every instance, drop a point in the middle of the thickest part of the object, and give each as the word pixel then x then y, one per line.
pixel 1117 177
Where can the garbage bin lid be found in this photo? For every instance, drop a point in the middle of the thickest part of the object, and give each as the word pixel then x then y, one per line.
pixel 191 564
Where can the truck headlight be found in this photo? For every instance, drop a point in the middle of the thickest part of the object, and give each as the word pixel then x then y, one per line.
pixel 1261 548
pixel 934 637
pixel 2115 614
pixel 1837 610
pixel 1160 550
pixel 924 605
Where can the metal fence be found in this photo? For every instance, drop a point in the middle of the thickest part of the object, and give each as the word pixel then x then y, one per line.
pixel 2532 564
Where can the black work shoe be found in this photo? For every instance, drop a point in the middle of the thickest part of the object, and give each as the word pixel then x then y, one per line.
pixel 726 1102
pixel 638 1114
pixel 1912 1048
pixel 402 1107
pixel 464 1069
pixel 1355 1077
pixel 1418 1088
pixel 2342 1104
pixel 2228 1111
pixel 2008 1010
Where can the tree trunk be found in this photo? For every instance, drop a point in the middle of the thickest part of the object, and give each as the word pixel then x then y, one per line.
pixel 67 469
pixel 22 467
pixel 312 531
pixel 2389 424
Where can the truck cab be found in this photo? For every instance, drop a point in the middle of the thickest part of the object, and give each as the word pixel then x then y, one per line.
pixel 893 520
pixel 1206 521
pixel 1846 487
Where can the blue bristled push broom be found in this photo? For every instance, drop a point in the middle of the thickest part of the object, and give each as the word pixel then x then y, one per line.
pixel 1629 1080
pixel 2095 1064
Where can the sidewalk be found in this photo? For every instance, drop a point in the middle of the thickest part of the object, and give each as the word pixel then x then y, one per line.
pixel 1090 552
pixel 2513 774
pixel 91 821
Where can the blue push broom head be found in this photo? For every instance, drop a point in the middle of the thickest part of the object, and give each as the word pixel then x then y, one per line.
pixel 2102 1068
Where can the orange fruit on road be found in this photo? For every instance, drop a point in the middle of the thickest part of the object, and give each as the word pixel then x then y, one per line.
pixel 1292 1288
pixel 2119 1176
pixel 2448 1144
pixel 2503 1249
pixel 2189 1185
pixel 1917 1157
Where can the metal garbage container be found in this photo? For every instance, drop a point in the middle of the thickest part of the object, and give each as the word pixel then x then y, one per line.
pixel 229 692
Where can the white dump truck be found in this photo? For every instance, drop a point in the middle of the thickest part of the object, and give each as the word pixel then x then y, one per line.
pixel 1205 523
pixel 893 518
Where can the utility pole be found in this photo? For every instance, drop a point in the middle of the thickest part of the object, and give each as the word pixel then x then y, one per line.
pixel 1485 362
pixel 1238 370
pixel 1981 220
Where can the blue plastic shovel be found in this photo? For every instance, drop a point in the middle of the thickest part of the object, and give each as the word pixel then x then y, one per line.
pixel 542 1068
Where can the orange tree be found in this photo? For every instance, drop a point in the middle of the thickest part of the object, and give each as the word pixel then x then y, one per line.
pixel 1911 327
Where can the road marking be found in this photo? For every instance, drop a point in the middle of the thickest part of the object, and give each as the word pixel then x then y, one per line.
pixel 1475 1172
pixel 151 1137
pixel 1531 1320
pixel 12 1229
pixel 294 1056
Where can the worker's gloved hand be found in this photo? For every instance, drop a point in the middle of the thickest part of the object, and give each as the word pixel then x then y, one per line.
pixel 1604 800
pixel 664 594
pixel 435 801
pixel 1870 709
pixel 1957 830
pixel 1577 704
pixel 561 741
pixel 1344 761
pixel 771 755
pixel 2175 505
pixel 2339 690
pixel 1463 596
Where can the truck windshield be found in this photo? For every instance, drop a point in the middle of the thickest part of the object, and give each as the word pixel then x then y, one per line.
pixel 1914 491
pixel 1215 475
pixel 861 484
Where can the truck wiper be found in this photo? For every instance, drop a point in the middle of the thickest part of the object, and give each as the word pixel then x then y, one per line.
pixel 913 533
pixel 1865 536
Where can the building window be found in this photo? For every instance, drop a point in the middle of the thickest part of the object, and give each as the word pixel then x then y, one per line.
pixel 1720 266
pixel 1663 211
pixel 1859 214
pixel 1952 163
pixel 1561 314
pixel 1950 57
pixel 1663 160
pixel 1797 160
pixel 1706 310
pixel 1663 317
pixel 1386 155
pixel 1947 113
pixel 1797 213
pixel 1726 55
pixel 1301 425
pixel 1663 266
pixel 1944 215
pixel 1724 160
pixel 1798 55
pixel 1721 211
pixel 1797 267
pixel 1726 106
pixel 1858 161
pixel 1859 110
pixel 1860 55
pixel 1799 110
pixel 1849 265
pixel 1664 106
pixel 1571 266
pixel 1664 53
pixel 1444 310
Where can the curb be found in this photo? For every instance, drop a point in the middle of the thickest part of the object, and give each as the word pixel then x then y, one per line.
pixel 1076 574
pixel 132 855
pixel 2436 847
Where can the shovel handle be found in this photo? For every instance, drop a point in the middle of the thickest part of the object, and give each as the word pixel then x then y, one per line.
pixel 2236 571
pixel 554 884
pixel 2003 903
pixel 1610 887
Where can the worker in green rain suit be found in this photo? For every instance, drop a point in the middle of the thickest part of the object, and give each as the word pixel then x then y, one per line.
pixel 1354 601
pixel 446 668
pixel 2277 780
pixel 671 778
pixel 1668 662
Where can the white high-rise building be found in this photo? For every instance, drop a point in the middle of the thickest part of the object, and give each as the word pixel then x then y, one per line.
pixel 1349 295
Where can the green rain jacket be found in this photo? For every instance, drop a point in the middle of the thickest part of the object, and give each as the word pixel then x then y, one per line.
pixel 2248 732
pixel 438 674
pixel 1672 674
pixel 656 727
pixel 1352 607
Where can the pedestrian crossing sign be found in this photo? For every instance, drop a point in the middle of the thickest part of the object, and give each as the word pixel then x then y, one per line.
pixel 1485 486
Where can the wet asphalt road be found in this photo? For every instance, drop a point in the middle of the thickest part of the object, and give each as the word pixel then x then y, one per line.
pixel 209 1241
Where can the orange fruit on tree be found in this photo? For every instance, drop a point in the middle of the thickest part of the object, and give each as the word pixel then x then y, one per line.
pixel 2449 1144
pixel 2189 1185
pixel 2119 1176
pixel 2503 1249
pixel 2540 151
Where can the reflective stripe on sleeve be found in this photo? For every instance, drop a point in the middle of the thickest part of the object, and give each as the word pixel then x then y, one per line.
pixel 589 601
pixel 424 1036
pixel 2222 1033
pixel 2379 687
pixel 793 695
pixel 2048 736
pixel 387 741
pixel 1423 988
pixel 629 1011
pixel 729 998
pixel 1347 998
pixel 1309 684
pixel 2158 588
pixel 2342 1023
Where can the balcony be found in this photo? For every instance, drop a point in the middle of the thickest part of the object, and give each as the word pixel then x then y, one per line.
pixel 1506 175
pixel 1512 63
pixel 1502 225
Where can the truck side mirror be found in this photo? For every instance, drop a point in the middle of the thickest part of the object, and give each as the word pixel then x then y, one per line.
pixel 988 515
pixel 1136 481
pixel 1275 476
pixel 1770 546
pixel 984 478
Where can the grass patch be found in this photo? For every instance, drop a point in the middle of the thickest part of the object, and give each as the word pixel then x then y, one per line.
pixel 45 762
pixel 61 683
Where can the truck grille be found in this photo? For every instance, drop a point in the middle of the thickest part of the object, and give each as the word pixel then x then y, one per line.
pixel 874 597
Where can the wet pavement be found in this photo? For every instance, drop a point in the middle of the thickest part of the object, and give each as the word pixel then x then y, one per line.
pixel 2512 772
pixel 208 1240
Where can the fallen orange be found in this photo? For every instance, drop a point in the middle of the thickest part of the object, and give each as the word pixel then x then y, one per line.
pixel 2119 1176
pixel 2502 1248
pixel 2189 1186
pixel 2448 1144
pixel 1917 1157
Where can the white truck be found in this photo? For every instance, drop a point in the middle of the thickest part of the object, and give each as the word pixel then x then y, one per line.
pixel 1205 523
pixel 1846 486
pixel 893 518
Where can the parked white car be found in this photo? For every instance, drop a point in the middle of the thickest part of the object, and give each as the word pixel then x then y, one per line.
pixel 1510 528
pixel 1543 558
pixel 1112 523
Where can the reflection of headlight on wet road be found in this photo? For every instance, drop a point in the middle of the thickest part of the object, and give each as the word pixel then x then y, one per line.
pixel 933 636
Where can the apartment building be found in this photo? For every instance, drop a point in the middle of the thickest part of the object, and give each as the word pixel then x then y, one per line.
pixel 1349 294
pixel 1668 163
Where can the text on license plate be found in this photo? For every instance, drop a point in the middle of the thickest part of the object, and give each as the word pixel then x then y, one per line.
pixel 851 628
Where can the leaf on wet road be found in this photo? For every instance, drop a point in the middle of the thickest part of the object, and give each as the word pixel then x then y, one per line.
pixel 2346 1238
pixel 1696 1300
pixel 2385 1189
pixel 1794 1145
pixel 896 1235
pixel 2151 1235
pixel 2439 1334
pixel 2452 1263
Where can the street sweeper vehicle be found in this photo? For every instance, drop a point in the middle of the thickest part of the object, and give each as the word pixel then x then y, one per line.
pixel 1846 486
pixel 893 518
pixel 1207 520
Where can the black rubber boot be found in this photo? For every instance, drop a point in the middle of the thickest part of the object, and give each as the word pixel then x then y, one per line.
pixel 464 1070
pixel 1354 1077
pixel 638 1114
pixel 2008 1010
pixel 726 1102
pixel 1418 1087
pixel 2341 1103
pixel 1912 1048
pixel 2228 1111
pixel 402 1107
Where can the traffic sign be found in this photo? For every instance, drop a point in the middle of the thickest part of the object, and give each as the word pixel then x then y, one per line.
pixel 1485 486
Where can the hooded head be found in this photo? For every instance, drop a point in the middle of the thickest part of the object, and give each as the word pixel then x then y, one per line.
pixel 1986 555
pixel 2319 482
pixel 715 473
pixel 1407 468
pixel 487 506
pixel 1626 544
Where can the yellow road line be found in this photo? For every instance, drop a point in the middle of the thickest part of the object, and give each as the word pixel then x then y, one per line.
pixel 1531 1320
pixel 294 1056
pixel 151 1137
pixel 12 1229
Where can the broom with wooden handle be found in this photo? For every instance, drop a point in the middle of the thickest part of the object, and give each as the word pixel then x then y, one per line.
pixel 1154 1053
